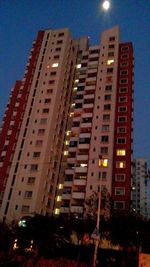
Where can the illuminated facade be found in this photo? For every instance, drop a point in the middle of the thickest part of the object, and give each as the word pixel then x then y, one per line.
pixel 67 129
pixel 140 187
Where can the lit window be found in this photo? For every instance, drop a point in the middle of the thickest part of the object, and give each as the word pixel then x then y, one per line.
pixel 66 142
pixel 120 164
pixel 83 165
pixel 78 66
pixel 110 61
pixel 73 105
pixel 55 65
pixel 103 163
pixel 77 80
pixel 65 153
pixel 75 89
pixel 68 133
pixel 57 211
pixel 60 186
pixel 58 198
pixel 121 152
pixel 71 114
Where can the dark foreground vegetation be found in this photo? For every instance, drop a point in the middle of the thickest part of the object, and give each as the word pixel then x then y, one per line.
pixel 66 241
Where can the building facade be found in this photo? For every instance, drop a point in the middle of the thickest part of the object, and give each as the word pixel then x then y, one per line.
pixel 67 131
pixel 140 187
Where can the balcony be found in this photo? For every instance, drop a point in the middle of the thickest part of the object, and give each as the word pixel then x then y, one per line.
pixel 90 96
pixel 64 209
pixel 88 106
pixel 77 209
pixel 86 124
pixel 66 196
pixel 82 157
pixel 84 146
pixel 85 135
pixel 81 169
pixel 69 171
pixel 67 183
pixel 78 195
pixel 71 160
pixel 79 182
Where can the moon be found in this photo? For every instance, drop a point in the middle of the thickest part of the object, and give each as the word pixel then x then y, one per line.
pixel 106 5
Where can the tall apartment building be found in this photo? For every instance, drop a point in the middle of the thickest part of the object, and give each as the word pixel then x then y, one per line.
pixel 140 188
pixel 67 129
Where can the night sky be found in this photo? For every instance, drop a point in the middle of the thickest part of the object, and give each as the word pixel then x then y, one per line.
pixel 20 20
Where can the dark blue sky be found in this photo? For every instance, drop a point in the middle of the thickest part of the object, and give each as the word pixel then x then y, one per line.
pixel 20 20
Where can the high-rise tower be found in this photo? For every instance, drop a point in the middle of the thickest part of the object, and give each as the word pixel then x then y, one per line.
pixel 68 128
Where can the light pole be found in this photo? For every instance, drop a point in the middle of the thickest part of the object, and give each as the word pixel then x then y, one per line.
pixel 97 236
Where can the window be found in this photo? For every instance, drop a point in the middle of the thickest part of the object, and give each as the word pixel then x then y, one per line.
pixel 110 70
pixel 34 167
pixel 31 180
pixel 124 64
pixel 123 81
pixel 61 34
pixel 28 194
pixel 111 54
pixel 119 191
pixel 104 138
pixel 111 46
pixel 105 128
pixel 123 99
pixel 121 152
pixel 120 177
pixel 58 198
pixel 66 153
pixel 121 129
pixel 106 117
pixel 103 163
pixel 124 56
pixel 110 61
pixel 59 41
pixel 103 175
pixel 104 150
pixel 60 186
pixel 121 140
pixel 58 49
pixel 107 97
pixel 53 73
pixel 43 121
pixel 47 100
pixel 41 131
pixel 49 91
pixel 51 81
pixel 56 57
pixel 124 72
pixel 55 65
pixel 123 90
pixel 107 107
pixel 25 208
pixel 36 154
pixel 122 119
pixel 111 38
pixel 45 110
pixel 120 164
pixel 108 88
pixel 124 48
pixel 57 211
pixel 122 109
pixel 119 205
pixel 38 142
